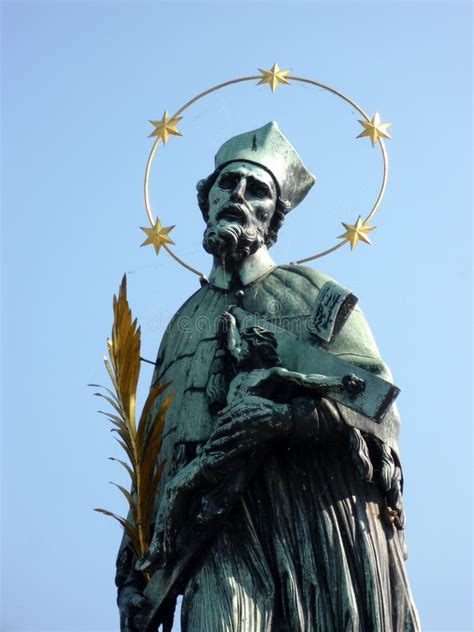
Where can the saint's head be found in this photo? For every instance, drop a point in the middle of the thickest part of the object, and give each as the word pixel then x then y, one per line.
pixel 258 348
pixel 258 178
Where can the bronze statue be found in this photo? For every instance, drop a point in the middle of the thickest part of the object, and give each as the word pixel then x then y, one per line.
pixel 280 506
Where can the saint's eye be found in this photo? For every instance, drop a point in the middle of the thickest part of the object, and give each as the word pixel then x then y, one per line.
pixel 227 181
pixel 257 189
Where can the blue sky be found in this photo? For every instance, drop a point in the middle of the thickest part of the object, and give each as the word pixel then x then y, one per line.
pixel 80 81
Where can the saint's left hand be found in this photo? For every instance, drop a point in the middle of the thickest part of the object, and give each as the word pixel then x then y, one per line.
pixel 246 426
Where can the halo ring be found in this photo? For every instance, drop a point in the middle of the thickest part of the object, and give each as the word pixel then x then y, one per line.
pixel 289 77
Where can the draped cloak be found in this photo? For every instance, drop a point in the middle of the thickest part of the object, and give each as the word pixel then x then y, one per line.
pixel 306 549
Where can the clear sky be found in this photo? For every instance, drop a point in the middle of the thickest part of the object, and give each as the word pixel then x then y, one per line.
pixel 80 81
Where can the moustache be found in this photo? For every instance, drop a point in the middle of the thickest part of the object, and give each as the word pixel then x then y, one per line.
pixel 238 213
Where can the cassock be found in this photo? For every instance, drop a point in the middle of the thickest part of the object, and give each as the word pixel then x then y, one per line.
pixel 308 546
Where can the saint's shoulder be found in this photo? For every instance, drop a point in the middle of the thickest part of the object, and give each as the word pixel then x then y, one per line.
pixel 314 277
pixel 310 279
pixel 355 341
pixel 189 306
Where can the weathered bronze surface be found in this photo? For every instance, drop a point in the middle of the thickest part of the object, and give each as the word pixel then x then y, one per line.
pixel 279 507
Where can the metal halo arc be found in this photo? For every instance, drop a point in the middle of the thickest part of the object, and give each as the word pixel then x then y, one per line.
pixel 289 77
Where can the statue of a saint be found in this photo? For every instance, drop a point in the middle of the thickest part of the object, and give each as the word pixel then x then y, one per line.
pixel 279 507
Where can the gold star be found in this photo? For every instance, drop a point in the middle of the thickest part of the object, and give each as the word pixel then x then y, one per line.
pixel 157 235
pixel 374 129
pixel 166 127
pixel 356 232
pixel 274 76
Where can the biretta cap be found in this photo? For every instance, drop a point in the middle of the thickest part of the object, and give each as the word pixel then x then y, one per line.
pixel 268 148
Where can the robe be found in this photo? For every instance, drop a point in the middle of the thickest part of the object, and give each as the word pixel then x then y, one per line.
pixel 307 547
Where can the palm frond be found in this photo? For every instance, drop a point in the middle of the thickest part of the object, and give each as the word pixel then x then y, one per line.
pixel 130 499
pixel 140 443
pixel 131 473
pixel 127 527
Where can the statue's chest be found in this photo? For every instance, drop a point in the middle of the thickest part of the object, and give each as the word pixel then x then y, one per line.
pixel 189 349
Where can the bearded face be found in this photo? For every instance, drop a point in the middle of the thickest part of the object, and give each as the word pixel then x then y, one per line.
pixel 241 205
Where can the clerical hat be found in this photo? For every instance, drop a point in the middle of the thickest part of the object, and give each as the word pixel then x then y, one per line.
pixel 268 148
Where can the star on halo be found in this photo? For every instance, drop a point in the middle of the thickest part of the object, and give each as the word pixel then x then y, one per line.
pixel 274 76
pixel 166 127
pixel 157 235
pixel 374 129
pixel 356 232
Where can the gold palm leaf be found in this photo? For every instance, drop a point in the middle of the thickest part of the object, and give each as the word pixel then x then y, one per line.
pixel 141 442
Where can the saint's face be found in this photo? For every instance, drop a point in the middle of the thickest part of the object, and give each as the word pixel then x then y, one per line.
pixel 243 194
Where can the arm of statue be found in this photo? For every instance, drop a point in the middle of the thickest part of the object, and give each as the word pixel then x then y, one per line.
pixel 281 380
pixel 252 424
pixel 203 471
pixel 130 584
pixel 222 471
pixel 231 335
pixel 173 507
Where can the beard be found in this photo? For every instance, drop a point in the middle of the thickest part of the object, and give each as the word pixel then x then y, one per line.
pixel 231 241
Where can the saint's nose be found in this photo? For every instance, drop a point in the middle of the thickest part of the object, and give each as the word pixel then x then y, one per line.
pixel 239 191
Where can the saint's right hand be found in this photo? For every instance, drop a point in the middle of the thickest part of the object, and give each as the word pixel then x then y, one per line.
pixel 130 601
